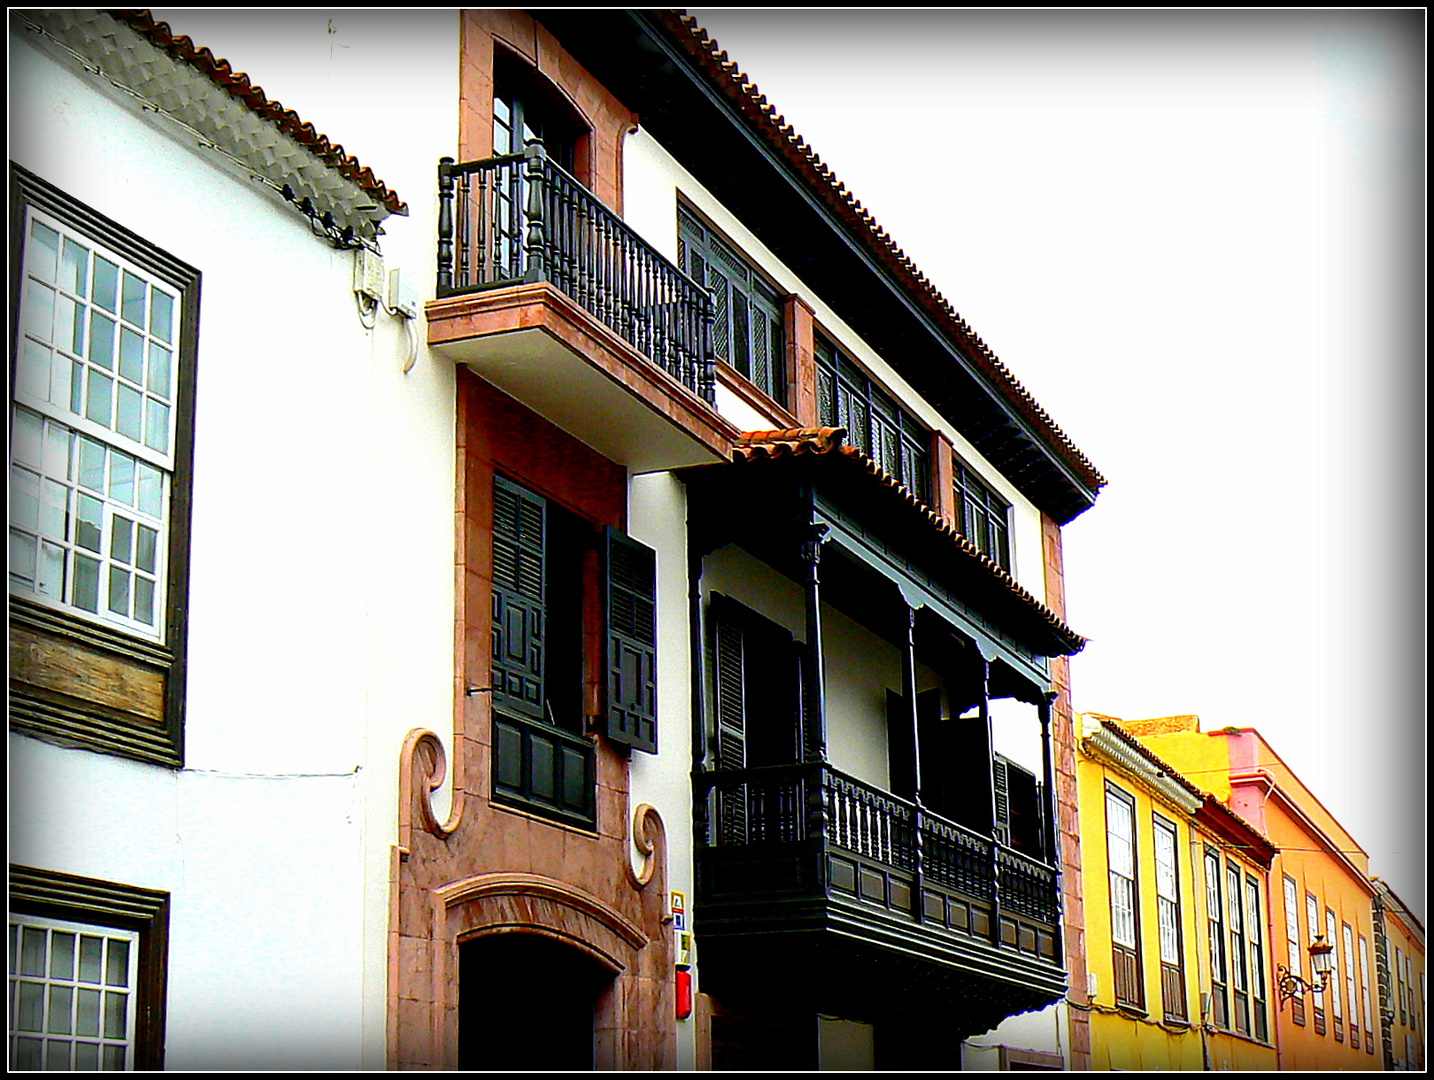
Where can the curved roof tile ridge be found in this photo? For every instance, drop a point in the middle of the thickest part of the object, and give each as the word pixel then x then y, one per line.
pixel 704 48
pixel 239 85
pixel 753 446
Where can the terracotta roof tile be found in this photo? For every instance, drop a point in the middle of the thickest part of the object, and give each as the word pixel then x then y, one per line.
pixel 143 22
pixel 829 443
pixel 780 135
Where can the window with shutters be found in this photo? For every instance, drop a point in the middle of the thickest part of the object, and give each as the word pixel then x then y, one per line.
pixel 1347 942
pixel 875 424
pixel 1364 994
pixel 1315 933
pixel 1259 993
pixel 757 701
pixel 982 516
pixel 1215 921
pixel 543 756
pixel 1018 807
pixel 1167 902
pixel 1124 907
pixel 747 322
pixel 1336 1008
pixel 1239 955
pixel 1293 950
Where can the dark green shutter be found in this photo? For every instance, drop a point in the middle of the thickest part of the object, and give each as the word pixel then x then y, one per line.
pixel 519 611
pixel 1001 785
pixel 631 610
pixel 729 693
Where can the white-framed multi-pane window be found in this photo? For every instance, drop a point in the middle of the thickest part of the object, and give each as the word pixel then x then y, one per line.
pixel 1215 924
pixel 1312 920
pixel 72 995
pixel 1167 902
pixel 1364 997
pixel 93 429
pixel 1239 957
pixel 1350 993
pixel 1259 994
pixel 1120 859
pixel 1331 929
pixel 1293 950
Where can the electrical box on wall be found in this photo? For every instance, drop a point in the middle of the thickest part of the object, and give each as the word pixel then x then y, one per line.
pixel 402 296
pixel 368 274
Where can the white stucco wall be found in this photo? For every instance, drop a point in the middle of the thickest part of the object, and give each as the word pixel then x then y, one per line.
pixel 652 179
pixel 657 515
pixel 322 566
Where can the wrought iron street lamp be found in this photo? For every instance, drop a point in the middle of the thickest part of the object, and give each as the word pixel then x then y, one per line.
pixel 1292 986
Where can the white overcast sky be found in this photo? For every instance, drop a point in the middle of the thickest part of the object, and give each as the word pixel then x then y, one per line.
pixel 1197 239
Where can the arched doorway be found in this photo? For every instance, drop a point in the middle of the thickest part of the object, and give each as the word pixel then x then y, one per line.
pixel 527 1001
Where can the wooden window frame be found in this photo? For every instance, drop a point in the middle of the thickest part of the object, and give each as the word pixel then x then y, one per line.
pixel 1364 994
pixel 839 378
pixel 1218 946
pixel 699 238
pixel 1291 895
pixel 1331 935
pixel 1125 956
pixel 994 512
pixel 1312 909
pixel 1239 948
pixel 53 690
pixel 1172 973
pixel 1259 977
pixel 50 894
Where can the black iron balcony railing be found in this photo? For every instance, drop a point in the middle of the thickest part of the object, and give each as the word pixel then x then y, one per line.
pixel 761 807
pixel 522 218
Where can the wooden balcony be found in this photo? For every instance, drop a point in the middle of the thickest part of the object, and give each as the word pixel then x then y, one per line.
pixel 549 296
pixel 878 907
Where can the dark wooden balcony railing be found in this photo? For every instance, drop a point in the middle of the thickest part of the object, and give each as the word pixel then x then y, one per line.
pixel 789 804
pixel 522 218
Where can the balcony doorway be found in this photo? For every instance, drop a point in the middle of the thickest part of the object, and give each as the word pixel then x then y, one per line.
pixel 527 1002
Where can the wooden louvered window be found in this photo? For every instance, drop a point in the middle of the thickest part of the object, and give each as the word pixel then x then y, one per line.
pixel 631 610
pixel 982 516
pixel 757 704
pixel 543 758
pixel 747 324
pixel 875 424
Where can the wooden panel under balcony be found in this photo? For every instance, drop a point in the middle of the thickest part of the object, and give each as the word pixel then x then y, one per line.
pixel 550 297
pixel 811 882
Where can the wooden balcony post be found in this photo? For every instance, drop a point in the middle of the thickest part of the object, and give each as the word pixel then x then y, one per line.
pixel 445 225
pixel 815 728
pixel 984 712
pixel 534 239
pixel 908 692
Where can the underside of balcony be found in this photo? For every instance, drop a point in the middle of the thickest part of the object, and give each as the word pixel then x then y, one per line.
pixel 537 345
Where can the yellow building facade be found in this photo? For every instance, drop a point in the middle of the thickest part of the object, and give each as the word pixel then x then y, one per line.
pixel 1319 892
pixel 1177 912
